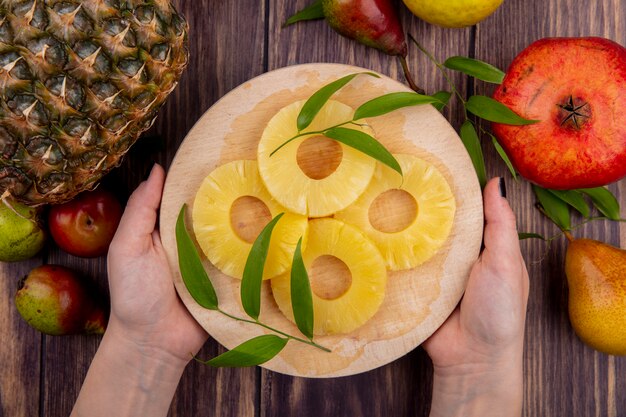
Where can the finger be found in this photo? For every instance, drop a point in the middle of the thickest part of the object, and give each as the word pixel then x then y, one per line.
pixel 501 228
pixel 139 219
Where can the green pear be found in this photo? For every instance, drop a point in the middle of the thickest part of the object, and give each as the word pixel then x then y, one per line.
pixel 21 234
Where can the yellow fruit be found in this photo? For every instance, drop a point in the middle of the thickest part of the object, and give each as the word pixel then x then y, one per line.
pixel 453 13
pixel 237 187
pixel 313 175
pixel 342 300
pixel 410 218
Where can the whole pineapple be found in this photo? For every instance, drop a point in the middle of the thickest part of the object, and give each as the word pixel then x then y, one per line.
pixel 79 82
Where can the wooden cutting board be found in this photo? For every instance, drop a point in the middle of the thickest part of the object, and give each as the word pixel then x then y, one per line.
pixel 416 302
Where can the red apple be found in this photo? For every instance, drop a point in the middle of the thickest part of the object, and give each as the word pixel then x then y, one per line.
pixel 56 301
pixel 86 225
pixel 577 88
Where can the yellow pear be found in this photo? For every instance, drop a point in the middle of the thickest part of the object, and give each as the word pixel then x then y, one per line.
pixel 596 274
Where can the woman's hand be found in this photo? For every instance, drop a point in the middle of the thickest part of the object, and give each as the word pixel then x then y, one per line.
pixel 477 353
pixel 150 337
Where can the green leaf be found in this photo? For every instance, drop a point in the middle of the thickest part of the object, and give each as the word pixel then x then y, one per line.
pixel 255 351
pixel 523 236
pixel 494 111
pixel 315 103
pixel 475 68
pixel 313 11
pixel 365 143
pixel 390 102
pixel 301 298
pixel 503 156
pixel 253 271
pixel 443 97
pixel 472 144
pixel 194 276
pixel 553 207
pixel 574 199
pixel 604 200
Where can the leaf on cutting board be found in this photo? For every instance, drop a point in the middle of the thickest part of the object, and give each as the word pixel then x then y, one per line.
pixel 494 111
pixel 301 297
pixel 253 352
pixel 604 200
pixel 524 236
pixel 194 276
pixel 390 102
pixel 443 97
pixel 365 143
pixel 475 68
pixel 472 144
pixel 315 103
pixel 314 11
pixel 574 199
pixel 503 156
pixel 253 271
pixel 556 209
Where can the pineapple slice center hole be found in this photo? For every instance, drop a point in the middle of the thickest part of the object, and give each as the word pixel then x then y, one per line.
pixel 318 157
pixel 248 217
pixel 393 211
pixel 330 277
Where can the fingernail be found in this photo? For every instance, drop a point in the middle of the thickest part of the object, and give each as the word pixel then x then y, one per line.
pixel 502 188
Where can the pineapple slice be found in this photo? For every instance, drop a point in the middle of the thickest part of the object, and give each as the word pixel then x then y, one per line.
pixel 429 224
pixel 313 175
pixel 227 245
pixel 342 300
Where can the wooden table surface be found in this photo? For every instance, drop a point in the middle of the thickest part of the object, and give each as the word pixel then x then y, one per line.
pixel 232 41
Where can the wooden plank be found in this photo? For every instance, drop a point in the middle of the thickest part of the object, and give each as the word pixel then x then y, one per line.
pixel 216 66
pixel 562 375
pixel 402 387
pixel 20 348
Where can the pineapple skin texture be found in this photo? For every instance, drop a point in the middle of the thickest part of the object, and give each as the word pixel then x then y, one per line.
pixel 365 295
pixel 436 207
pixel 289 185
pixel 212 223
pixel 80 81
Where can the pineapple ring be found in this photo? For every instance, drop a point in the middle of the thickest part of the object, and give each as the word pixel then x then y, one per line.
pixel 286 180
pixel 215 234
pixel 432 224
pixel 365 293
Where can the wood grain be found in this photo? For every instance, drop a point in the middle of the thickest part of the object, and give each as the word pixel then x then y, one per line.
pixel 234 41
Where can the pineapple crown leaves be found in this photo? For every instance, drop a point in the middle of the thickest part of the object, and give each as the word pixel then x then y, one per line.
pixel 378 106
pixel 261 349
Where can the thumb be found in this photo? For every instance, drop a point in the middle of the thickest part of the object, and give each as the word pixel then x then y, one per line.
pixel 501 228
pixel 139 219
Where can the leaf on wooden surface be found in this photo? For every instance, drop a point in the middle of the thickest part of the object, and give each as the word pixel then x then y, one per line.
pixel 390 102
pixel 475 68
pixel 494 111
pixel 472 144
pixel 524 236
pixel 365 143
pixel 194 276
pixel 301 297
pixel 503 156
pixel 604 200
pixel 253 352
pixel 443 97
pixel 253 271
pixel 574 199
pixel 315 103
pixel 556 209
pixel 314 11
